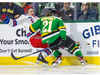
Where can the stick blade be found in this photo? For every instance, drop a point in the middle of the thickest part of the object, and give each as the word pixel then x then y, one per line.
pixel 12 55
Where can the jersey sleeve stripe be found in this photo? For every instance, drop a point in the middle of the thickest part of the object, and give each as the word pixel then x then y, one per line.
pixel 49 35
pixel 29 34
pixel 62 27
pixel 32 29
pixel 46 34
pixel 14 23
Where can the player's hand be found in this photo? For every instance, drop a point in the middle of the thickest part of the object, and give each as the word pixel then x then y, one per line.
pixel 16 16
pixel 5 19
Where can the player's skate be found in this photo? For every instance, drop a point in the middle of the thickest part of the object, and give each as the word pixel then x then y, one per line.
pixel 57 61
pixel 82 61
pixel 41 59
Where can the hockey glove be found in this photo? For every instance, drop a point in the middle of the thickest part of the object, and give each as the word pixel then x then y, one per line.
pixel 5 19
pixel 62 43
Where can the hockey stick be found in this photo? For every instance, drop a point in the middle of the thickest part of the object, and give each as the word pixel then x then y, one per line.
pixel 16 58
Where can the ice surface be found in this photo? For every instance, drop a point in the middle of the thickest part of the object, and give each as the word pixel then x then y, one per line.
pixel 40 69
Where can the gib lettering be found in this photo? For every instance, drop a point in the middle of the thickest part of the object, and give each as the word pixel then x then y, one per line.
pixel 92 31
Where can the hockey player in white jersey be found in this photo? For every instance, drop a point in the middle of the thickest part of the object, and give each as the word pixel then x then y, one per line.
pixel 34 38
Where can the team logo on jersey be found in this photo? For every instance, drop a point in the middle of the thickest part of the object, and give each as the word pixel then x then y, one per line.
pixel 32 21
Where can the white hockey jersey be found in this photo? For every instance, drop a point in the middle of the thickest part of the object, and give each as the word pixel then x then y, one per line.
pixel 24 20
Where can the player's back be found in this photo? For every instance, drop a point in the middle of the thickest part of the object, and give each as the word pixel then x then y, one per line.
pixel 49 24
pixel 50 28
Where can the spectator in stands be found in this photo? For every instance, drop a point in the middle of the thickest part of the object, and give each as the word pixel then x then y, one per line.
pixel 21 4
pixel 58 6
pixel 94 7
pixel 1 7
pixel 86 13
pixel 0 3
pixel 36 8
pixel 78 6
pixel 13 10
pixel 67 14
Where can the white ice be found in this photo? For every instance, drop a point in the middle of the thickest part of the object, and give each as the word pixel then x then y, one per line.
pixel 48 69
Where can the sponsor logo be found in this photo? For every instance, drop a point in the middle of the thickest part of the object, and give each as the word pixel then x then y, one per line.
pixel 92 31
pixel 12 42
pixel 92 52
pixel 21 32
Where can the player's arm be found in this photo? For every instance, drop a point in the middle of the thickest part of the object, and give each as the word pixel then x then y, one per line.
pixel 33 30
pixel 62 28
pixel 35 26
pixel 13 22
pixel 19 21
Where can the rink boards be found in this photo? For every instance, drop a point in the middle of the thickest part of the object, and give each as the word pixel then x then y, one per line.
pixel 87 35
pixel 67 60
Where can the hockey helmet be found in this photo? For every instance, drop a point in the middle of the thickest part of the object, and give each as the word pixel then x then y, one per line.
pixel 27 7
pixel 52 11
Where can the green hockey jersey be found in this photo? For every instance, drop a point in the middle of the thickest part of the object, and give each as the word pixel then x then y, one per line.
pixel 51 28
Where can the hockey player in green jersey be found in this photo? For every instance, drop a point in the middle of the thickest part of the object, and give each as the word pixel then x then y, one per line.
pixel 53 32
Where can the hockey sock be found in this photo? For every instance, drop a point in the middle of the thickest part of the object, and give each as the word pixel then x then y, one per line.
pixel 78 53
pixel 76 50
pixel 46 53
pixel 56 53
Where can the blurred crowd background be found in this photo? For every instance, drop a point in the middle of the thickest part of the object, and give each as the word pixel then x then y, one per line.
pixel 67 11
